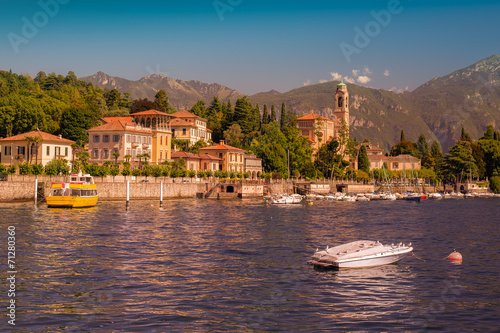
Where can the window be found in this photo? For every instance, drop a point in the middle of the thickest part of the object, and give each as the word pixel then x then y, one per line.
pixel 205 166
pixel 134 153
pixel 129 152
pixel 66 151
pixel 128 138
pixel 220 155
pixel 105 138
pixel 161 139
pixel 134 139
pixel 115 151
pixel 8 151
pixel 161 154
pixel 116 138
pixel 47 153
pixel 95 153
pixel 57 151
pixel 21 150
pixel 149 140
pixel 191 166
pixel 173 132
pixel 105 154
pixel 183 131
pixel 96 138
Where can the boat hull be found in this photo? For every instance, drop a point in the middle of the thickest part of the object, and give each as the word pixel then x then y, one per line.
pixel 360 254
pixel 71 202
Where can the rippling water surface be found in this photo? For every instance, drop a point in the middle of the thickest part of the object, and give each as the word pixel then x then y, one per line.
pixel 213 266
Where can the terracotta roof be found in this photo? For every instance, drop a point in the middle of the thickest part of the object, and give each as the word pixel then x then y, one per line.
pixel 151 113
pixel 206 156
pixel 43 135
pixel 177 122
pixel 186 114
pixel 183 154
pixel 404 158
pixel 115 126
pixel 110 119
pixel 369 147
pixel 221 147
pixel 313 116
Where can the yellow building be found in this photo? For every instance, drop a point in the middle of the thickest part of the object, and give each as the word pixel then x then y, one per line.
pixel 160 125
pixel 232 158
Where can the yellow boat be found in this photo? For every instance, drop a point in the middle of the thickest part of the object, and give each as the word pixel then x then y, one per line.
pixel 79 192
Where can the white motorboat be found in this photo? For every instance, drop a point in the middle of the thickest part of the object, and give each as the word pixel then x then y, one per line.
pixel 358 254
pixel 285 199
pixel 349 198
pixel 362 198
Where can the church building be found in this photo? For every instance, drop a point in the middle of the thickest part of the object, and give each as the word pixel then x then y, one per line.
pixel 321 130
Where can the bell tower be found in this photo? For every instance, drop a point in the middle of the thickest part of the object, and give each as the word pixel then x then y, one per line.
pixel 341 111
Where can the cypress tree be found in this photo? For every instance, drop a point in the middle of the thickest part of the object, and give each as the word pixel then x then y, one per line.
pixel 363 161
pixel 273 114
pixel 265 115
pixel 403 138
pixel 283 117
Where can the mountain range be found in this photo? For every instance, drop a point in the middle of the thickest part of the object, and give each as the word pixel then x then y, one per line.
pixel 469 98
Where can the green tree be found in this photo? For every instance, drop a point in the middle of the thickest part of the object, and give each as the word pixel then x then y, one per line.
pixel 116 155
pixel 215 119
pixel 198 109
pixel 233 135
pixel 161 99
pixel 283 117
pixel 273 114
pixel 363 161
pixel 402 137
pixel 495 184
pixel 75 122
pixel 265 115
pixel 464 136
pixel 460 161
pixel 244 115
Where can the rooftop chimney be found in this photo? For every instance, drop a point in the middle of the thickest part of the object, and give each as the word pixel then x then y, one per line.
pixel 221 142
pixel 60 136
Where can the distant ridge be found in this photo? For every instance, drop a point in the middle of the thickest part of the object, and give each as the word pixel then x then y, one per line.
pixel 469 98
pixel 182 94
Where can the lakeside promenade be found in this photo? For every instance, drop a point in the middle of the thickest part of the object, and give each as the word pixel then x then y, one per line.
pixel 22 187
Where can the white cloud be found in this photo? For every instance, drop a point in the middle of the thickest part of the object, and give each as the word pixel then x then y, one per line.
pixel 348 79
pixel 308 82
pixel 387 73
pixel 366 71
pixel 323 81
pixel 355 72
pixel 336 76
pixel 363 79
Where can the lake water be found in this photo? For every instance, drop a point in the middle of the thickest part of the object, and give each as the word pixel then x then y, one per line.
pixel 237 266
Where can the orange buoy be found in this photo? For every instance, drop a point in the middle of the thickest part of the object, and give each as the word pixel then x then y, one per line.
pixel 455 256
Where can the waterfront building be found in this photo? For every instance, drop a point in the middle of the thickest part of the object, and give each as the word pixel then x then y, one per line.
pixel 209 162
pixel 121 136
pixel 253 165
pixel 317 128
pixel 191 161
pixel 231 158
pixel 188 126
pixel 35 147
pixel 155 123
pixel 321 130
pixel 159 124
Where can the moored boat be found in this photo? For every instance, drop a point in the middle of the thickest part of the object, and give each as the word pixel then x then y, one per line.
pixel 285 199
pixel 79 192
pixel 359 254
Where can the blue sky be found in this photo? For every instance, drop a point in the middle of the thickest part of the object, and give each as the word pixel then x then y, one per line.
pixel 251 46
